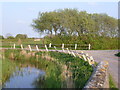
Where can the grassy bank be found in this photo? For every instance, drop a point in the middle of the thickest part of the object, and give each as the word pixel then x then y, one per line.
pixel 8 68
pixel 31 60
pixel 112 83
pixel 58 67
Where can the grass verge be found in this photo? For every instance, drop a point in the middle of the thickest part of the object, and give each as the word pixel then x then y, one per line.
pixel 112 83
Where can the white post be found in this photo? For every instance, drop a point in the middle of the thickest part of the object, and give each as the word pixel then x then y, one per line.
pixel 75 46
pixel 63 47
pixel 84 57
pixel 73 54
pixel 79 55
pixel 21 46
pixel 92 60
pixel 46 48
pixel 50 45
pixel 87 57
pixel 37 48
pixel 14 46
pixel 68 50
pixel 89 61
pixel 87 54
pixel 30 47
pixel 55 47
pixel 89 47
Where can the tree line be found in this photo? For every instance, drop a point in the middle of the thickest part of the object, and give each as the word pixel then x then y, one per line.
pixel 18 36
pixel 72 22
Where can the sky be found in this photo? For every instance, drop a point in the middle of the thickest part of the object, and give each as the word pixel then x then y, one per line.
pixel 16 17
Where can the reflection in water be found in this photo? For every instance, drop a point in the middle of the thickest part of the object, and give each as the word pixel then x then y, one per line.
pixel 24 78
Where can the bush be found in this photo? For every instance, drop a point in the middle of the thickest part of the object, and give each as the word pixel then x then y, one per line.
pixel 118 54
pixel 10 37
pixel 97 42
pixel 1 37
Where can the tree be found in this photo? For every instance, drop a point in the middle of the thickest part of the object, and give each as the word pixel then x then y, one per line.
pixel 70 22
pixel 1 37
pixel 10 37
pixel 21 36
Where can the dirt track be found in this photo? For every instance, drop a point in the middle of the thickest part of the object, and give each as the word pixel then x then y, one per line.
pixel 108 55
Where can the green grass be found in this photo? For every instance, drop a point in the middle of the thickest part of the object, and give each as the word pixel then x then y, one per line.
pixel 52 70
pixel 81 70
pixel 112 83
pixel 7 68
pixel 52 63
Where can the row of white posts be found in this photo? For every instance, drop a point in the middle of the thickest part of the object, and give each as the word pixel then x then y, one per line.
pixel 89 47
pixel 86 57
pixel 14 47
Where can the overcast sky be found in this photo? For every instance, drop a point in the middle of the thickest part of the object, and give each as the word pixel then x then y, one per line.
pixel 16 17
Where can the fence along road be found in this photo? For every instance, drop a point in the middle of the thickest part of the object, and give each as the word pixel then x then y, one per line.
pixel 108 55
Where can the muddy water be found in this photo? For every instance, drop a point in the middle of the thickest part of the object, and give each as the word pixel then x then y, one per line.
pixel 24 78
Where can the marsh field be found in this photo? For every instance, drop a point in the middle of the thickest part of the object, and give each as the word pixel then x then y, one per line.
pixel 43 70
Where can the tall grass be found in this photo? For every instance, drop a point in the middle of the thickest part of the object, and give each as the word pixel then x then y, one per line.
pixel 58 67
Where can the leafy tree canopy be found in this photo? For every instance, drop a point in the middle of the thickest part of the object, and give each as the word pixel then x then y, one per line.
pixel 72 22
pixel 1 37
pixel 10 37
pixel 21 36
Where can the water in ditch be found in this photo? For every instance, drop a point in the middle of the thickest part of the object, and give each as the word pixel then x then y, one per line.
pixel 24 78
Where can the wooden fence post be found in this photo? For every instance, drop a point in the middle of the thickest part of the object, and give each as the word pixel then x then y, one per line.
pixel 14 46
pixel 84 57
pixel 50 45
pixel 75 46
pixel 92 60
pixel 68 50
pixel 78 55
pixel 37 48
pixel 55 48
pixel 89 47
pixel 46 48
pixel 21 46
pixel 63 47
pixel 30 47
pixel 73 54
pixel 88 59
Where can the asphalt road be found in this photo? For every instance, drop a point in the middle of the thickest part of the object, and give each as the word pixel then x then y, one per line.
pixel 108 55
